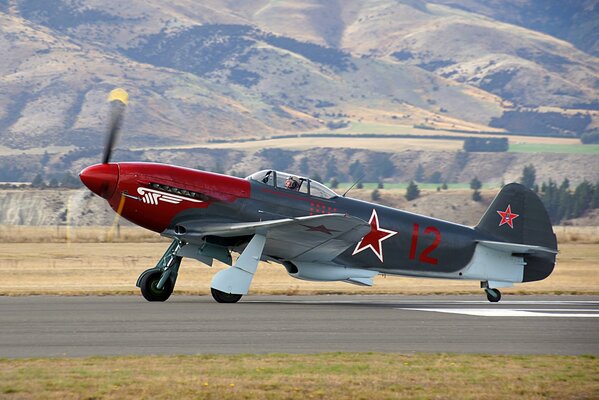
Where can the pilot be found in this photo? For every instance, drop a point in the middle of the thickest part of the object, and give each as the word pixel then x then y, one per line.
pixel 291 183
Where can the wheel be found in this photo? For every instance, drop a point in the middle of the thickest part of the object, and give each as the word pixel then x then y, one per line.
pixel 223 297
pixel 493 295
pixel 149 290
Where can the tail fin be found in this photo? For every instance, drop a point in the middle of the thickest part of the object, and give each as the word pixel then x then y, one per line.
pixel 517 215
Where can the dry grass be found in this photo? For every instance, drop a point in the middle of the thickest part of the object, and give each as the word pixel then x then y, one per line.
pixel 113 268
pixel 321 376
pixel 76 234
pixel 577 234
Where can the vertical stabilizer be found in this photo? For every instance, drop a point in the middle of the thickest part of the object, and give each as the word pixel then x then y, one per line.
pixel 517 215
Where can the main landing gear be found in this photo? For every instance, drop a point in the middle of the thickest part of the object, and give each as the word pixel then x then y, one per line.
pixel 157 283
pixel 222 297
pixel 228 285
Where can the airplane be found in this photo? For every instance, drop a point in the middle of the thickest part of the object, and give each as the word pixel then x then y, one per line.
pixel 313 232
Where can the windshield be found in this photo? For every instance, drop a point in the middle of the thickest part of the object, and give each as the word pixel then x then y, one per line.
pixel 294 183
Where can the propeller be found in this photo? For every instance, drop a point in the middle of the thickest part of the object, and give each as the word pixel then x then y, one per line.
pixel 118 100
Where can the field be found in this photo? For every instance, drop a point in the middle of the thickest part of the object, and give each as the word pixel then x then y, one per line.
pixel 374 144
pixel 521 144
pixel 423 186
pixel 554 148
pixel 321 376
pixel 43 261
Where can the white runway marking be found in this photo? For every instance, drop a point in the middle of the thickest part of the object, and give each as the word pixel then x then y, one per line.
pixel 525 302
pixel 505 312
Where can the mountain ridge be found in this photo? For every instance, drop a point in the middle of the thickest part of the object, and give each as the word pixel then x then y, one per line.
pixel 254 68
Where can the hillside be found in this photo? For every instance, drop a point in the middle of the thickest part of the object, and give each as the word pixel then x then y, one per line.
pixel 60 207
pixel 257 68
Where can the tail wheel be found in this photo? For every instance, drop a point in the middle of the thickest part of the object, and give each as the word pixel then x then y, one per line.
pixel 223 297
pixel 493 295
pixel 149 289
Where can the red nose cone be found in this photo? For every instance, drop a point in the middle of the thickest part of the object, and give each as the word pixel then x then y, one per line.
pixel 101 179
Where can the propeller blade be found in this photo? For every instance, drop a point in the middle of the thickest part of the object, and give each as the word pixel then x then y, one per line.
pixel 118 99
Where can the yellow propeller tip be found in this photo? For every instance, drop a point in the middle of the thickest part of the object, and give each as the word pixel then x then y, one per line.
pixel 120 95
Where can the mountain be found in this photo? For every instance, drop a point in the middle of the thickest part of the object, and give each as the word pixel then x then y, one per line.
pixel 217 69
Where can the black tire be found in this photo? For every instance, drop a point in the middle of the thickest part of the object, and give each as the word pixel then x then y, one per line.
pixel 148 287
pixel 222 297
pixel 493 295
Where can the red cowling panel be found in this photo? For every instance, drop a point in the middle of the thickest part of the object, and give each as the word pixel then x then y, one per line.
pixel 101 179
pixel 156 209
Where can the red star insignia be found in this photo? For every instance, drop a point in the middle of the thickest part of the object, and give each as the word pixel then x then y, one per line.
pixel 507 216
pixel 374 239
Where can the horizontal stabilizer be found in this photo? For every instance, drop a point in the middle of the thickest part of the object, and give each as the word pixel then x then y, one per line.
pixel 516 248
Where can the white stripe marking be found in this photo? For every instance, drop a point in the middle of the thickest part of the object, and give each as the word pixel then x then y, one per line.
pixel 504 312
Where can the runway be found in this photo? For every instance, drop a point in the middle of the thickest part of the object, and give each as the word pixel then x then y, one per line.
pixel 41 326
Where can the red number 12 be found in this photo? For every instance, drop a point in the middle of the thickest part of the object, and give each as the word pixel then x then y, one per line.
pixel 424 256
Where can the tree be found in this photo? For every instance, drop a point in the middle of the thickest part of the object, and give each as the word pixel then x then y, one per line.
pixel 381 166
pixel 360 185
pixel 595 196
pixel 70 181
pixel 375 195
pixel 590 137
pixel 435 177
pixel 444 186
pixel 356 170
pixel 45 158
pixel 528 176
pixel 334 183
pixel 316 177
pixel 475 184
pixel 486 144
pixel 218 167
pixel 412 191
pixel 419 174
pixel 38 181
pixel 380 185
pixel 331 168
pixel 582 198
pixel 303 166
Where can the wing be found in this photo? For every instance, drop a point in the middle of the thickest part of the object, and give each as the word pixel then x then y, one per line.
pixel 312 238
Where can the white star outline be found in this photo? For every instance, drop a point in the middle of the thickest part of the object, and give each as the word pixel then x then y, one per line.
pixel 389 233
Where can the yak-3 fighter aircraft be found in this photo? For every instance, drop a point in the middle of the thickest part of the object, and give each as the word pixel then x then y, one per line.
pixel 311 231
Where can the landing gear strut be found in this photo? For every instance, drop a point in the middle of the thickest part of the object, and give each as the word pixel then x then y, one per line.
pixel 229 285
pixel 493 295
pixel 157 283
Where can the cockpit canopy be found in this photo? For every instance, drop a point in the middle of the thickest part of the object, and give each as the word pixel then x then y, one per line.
pixel 296 183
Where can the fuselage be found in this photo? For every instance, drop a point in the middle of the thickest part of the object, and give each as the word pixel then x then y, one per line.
pixel 157 196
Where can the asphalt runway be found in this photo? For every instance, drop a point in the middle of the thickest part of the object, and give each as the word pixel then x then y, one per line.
pixel 41 326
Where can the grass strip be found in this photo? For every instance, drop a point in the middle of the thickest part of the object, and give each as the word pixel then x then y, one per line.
pixel 319 376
